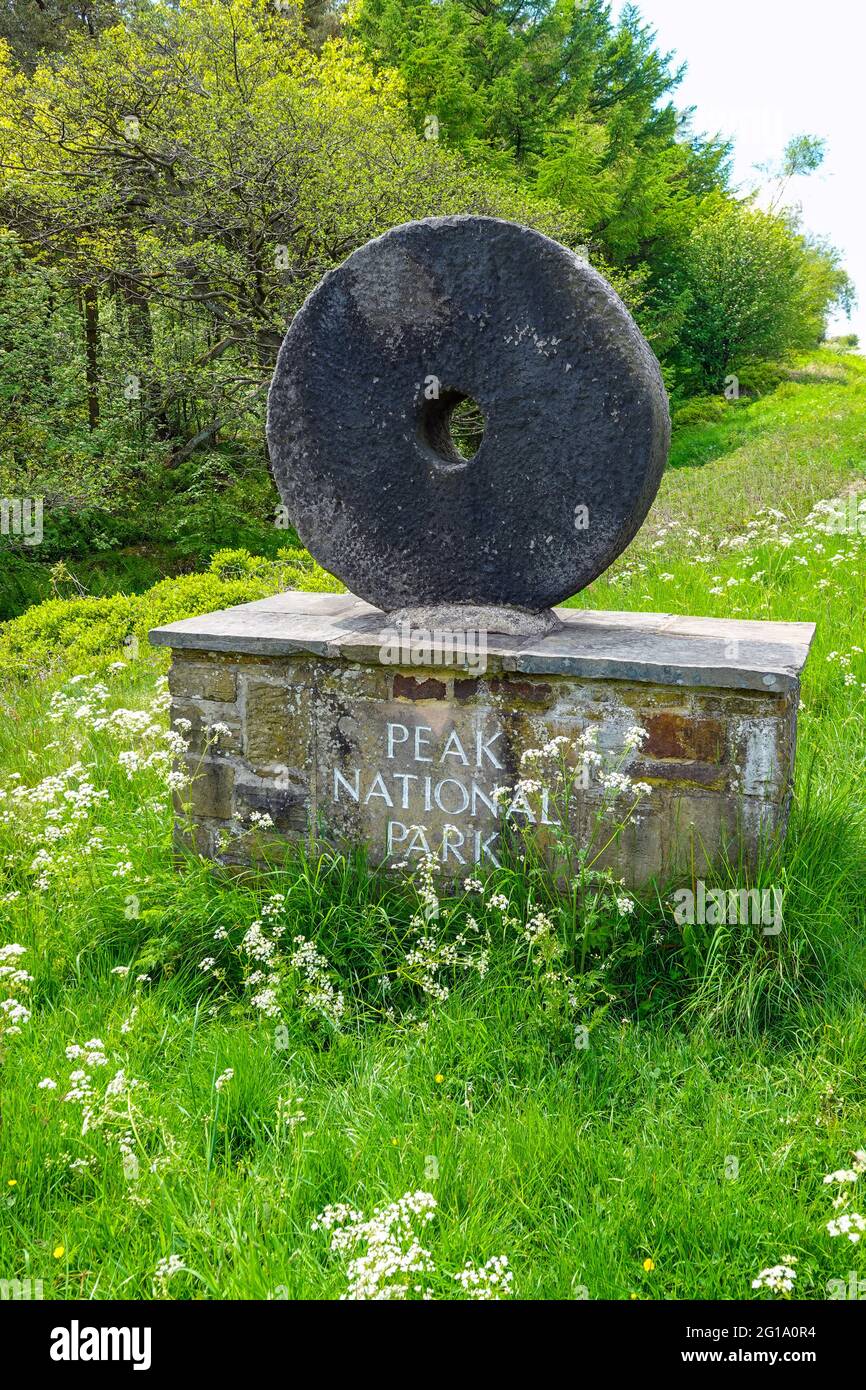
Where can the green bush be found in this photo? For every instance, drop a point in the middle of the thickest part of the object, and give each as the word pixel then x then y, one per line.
pixel 699 410
pixel 759 378
pixel 173 599
pixel 94 630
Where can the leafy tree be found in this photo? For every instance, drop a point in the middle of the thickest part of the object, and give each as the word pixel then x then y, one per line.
pixel 756 290
pixel 36 27
pixel 580 110
pixel 175 183
pixel 191 175
pixel 548 91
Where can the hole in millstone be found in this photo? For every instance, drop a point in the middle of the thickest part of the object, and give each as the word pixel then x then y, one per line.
pixel 453 427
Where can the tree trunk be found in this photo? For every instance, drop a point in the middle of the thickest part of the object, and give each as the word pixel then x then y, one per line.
pixel 130 282
pixel 91 339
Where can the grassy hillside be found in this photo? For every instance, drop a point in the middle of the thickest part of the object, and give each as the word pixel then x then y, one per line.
pixel 196 1125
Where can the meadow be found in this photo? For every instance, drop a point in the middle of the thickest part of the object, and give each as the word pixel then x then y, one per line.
pixel 314 1082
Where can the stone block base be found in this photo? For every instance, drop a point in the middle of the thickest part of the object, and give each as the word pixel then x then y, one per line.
pixel 310 719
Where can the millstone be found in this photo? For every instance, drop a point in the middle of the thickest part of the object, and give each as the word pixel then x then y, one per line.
pixel 363 437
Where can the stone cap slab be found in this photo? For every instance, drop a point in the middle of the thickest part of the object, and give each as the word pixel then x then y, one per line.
pixel 591 644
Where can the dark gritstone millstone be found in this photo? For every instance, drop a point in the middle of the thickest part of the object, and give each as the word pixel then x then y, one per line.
pixel 377 473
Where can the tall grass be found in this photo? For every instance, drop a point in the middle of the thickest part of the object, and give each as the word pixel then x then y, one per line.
pixel 719 1076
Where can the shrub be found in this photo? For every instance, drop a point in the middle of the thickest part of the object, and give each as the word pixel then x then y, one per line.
pixel 759 378
pixel 700 410
pixel 85 630
pixel 60 629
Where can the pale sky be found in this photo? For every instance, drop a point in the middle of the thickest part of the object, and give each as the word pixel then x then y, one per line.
pixel 762 70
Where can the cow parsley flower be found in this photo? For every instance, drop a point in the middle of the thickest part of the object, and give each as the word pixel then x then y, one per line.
pixel 850 1224
pixel 778 1278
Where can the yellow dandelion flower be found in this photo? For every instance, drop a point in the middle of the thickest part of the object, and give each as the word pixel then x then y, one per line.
pixel 59 1252
pixel 438 1077
pixel 13 1182
pixel 648 1265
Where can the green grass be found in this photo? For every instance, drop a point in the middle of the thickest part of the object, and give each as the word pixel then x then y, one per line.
pixel 724 1076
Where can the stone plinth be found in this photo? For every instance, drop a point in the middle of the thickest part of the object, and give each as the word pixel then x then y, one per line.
pixel 342 729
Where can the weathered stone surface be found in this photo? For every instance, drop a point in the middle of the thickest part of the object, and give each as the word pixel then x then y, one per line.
pixel 673 735
pixel 202 714
pixel 277 724
pixel 404 760
pixel 350 679
pixel 267 722
pixel 284 798
pixel 209 794
pixel 412 324
pixel 418 687
pixel 209 680
pixel 491 617
pixel 530 692
pixel 591 644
